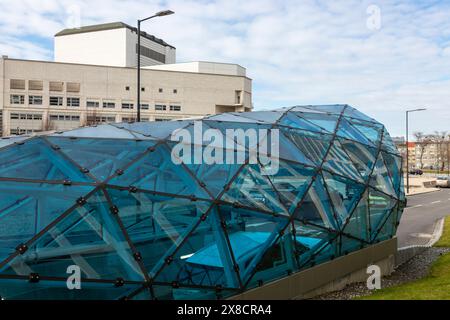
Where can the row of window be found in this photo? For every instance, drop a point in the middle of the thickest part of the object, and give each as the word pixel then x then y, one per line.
pixel 160 90
pixel 25 116
pixel 62 117
pixel 38 85
pixel 38 100
pixel 75 102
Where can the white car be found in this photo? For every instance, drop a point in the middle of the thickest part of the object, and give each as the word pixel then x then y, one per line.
pixel 443 182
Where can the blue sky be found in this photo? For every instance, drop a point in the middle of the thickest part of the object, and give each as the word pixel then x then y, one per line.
pixel 381 57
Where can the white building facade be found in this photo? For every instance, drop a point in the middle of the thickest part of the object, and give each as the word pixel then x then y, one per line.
pixel 111 44
pixel 94 80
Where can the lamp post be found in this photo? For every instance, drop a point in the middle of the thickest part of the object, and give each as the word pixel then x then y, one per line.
pixel 407 145
pixel 158 14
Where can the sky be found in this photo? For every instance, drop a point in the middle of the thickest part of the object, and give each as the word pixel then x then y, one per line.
pixel 382 57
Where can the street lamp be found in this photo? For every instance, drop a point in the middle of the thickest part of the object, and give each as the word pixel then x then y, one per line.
pixel 158 14
pixel 407 145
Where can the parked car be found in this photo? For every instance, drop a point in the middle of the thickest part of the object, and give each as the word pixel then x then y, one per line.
pixel 416 172
pixel 443 182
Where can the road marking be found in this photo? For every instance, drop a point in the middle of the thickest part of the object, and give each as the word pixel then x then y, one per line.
pixel 436 202
pixel 418 206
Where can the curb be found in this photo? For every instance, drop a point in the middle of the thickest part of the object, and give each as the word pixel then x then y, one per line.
pixel 405 254
pixel 420 193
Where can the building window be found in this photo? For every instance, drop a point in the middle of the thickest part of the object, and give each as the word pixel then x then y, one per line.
pixel 36 85
pixel 127 88
pixel 56 86
pixel 175 91
pixel 56 101
pixel 127 105
pixel 26 116
pixel 160 107
pixel 143 89
pixel 17 84
pixel 152 54
pixel 98 119
pixel 238 97
pixel 92 104
pixel 109 105
pixel 62 117
pixel 73 87
pixel 14 116
pixel 73 102
pixel 35 100
pixel 129 120
pixel 145 106
pixel 175 108
pixel 160 90
pixel 161 119
pixel 145 119
pixel 17 99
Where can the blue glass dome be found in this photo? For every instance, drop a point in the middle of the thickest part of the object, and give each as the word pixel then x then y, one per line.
pixel 111 201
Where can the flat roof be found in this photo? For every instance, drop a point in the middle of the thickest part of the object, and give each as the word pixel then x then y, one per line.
pixel 110 26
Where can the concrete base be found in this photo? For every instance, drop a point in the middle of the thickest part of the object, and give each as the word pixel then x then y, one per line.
pixel 327 277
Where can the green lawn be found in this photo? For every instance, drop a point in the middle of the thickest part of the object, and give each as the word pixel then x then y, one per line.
pixel 436 286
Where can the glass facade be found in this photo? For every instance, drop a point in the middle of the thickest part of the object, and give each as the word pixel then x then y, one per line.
pixel 111 201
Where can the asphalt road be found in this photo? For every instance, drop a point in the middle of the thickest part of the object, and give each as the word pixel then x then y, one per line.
pixel 419 218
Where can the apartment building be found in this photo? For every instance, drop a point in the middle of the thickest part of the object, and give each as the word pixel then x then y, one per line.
pixel 94 85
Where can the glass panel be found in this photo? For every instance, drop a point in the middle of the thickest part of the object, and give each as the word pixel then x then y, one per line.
pixel 291 120
pixel 358 226
pixel 380 206
pixel 312 145
pixel 334 109
pixel 316 208
pixel 380 179
pixel 157 225
pixel 89 238
pixel 338 162
pixel 345 195
pixel 291 182
pixel 325 121
pixel 254 190
pixel 156 171
pixel 46 163
pixel 102 156
pixel 346 130
pixel 27 208
pixel 362 156
pixel 204 258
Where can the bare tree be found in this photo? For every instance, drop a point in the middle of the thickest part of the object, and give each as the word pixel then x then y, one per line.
pixel 422 142
pixel 440 139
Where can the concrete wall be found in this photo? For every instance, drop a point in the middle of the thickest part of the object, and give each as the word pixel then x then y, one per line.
pixel 327 277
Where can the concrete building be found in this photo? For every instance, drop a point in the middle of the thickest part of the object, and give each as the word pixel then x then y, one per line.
pixel 111 44
pixel 94 80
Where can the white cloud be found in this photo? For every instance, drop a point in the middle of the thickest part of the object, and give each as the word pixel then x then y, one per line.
pixel 309 51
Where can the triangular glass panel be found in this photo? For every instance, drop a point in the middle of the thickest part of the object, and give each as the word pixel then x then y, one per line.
pixel 317 207
pixel 204 258
pixel 28 208
pixel 263 116
pixel 89 238
pixel 362 156
pixel 254 190
pixel 380 206
pixel 347 131
pixel 312 145
pixel 102 157
pixel 156 130
pixel 156 225
pixel 353 113
pixel 251 235
pixel 333 109
pixel 388 228
pixel 380 179
pixel 310 241
pixel 35 159
pixel 358 224
pixel 338 161
pixel 372 131
pixel 345 195
pixel 107 131
pixel 291 120
pixel 156 171
pixel 326 121
pixel 292 180
pixel 394 166
pixel 388 144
